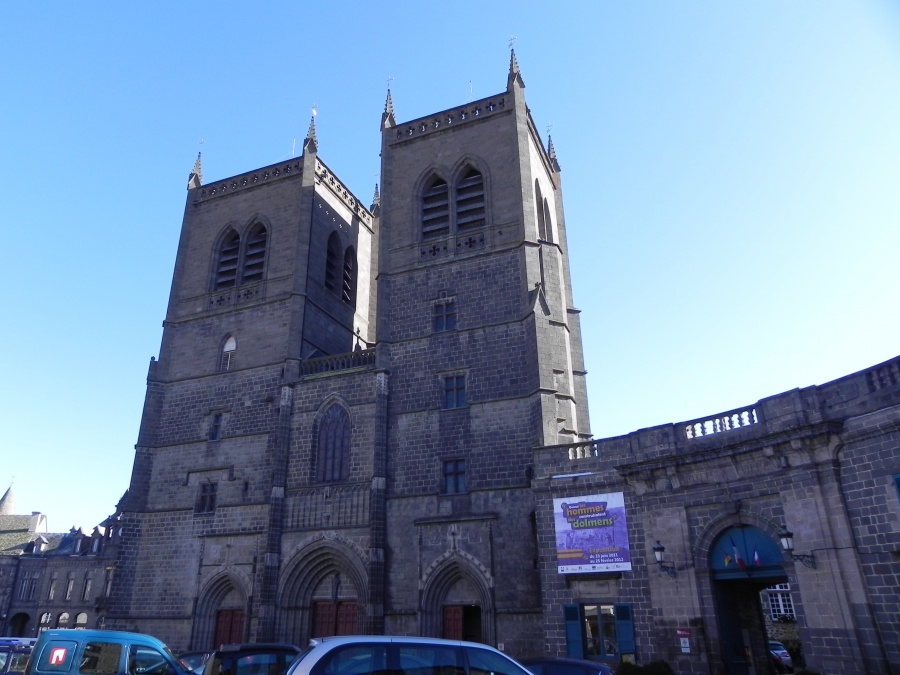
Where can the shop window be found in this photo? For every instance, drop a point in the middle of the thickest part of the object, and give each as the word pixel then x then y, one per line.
pixel 599 631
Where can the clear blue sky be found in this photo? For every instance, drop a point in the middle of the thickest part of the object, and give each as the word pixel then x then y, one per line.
pixel 731 179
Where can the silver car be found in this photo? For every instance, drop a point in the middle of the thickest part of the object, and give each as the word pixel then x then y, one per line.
pixel 397 655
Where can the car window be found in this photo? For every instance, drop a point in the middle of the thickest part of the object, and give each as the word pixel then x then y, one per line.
pixel 100 658
pixel 17 662
pixel 57 655
pixel 354 660
pixel 564 669
pixel 430 660
pixel 484 662
pixel 147 661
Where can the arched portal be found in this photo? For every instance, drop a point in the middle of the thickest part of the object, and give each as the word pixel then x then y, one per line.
pixel 221 615
pixel 743 560
pixel 457 602
pixel 19 624
pixel 324 593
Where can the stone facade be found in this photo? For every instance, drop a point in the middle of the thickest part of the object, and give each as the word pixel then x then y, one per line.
pixel 365 420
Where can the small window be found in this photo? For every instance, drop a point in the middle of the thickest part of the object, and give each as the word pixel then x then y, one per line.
pixel 254 255
pixel 454 391
pixel 226 360
pixel 206 500
pixel 445 315
pixel 81 620
pixel 436 209
pixel 215 429
pixel 86 590
pixel 63 620
pixel 470 201
pixel 95 545
pixel 454 476
pixel 227 267
pixel 332 260
pixel 781 607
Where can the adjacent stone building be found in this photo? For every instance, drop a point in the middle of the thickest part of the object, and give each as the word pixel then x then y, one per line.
pixel 374 420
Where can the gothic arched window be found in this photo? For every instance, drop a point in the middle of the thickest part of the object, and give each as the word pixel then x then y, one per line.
pixel 435 209
pixel 470 200
pixel 226 360
pixel 333 461
pixel 254 255
pixel 227 262
pixel 548 222
pixel 539 205
pixel 348 288
pixel 332 260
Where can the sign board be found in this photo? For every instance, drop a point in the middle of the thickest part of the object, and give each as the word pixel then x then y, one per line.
pixel 591 534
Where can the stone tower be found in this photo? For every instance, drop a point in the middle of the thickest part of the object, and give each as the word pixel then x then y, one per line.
pixel 338 434
pixel 478 331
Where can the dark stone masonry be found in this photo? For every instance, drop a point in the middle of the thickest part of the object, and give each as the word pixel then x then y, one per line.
pixel 374 420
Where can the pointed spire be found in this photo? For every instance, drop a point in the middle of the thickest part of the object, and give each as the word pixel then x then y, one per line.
pixel 387 117
pixel 551 153
pixel 376 201
pixel 515 75
pixel 195 179
pixel 310 142
pixel 7 503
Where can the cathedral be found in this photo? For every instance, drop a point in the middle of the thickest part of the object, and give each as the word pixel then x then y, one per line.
pixel 373 419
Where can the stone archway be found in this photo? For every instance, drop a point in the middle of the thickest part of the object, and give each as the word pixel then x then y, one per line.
pixel 457 601
pixel 221 613
pixel 324 592
pixel 743 560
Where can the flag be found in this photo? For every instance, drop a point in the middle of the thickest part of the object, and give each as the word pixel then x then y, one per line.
pixel 756 557
pixel 737 556
pixel 727 559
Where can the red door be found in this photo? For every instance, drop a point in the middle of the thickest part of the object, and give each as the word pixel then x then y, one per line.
pixel 453 623
pixel 229 627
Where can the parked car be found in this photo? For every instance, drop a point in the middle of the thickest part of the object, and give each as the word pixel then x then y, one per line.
pixel 781 658
pixel 371 654
pixel 194 661
pixel 13 656
pixel 101 652
pixel 251 658
pixel 565 666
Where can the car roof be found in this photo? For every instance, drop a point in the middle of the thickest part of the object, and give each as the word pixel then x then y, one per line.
pixel 355 639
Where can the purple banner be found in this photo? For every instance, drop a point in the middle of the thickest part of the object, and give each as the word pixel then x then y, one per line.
pixel 591 534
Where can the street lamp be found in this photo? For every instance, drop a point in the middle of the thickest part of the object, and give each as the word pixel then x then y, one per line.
pixel 787 543
pixel 660 552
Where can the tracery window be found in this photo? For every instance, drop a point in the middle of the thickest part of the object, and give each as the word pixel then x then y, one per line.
pixel 227 265
pixel 333 461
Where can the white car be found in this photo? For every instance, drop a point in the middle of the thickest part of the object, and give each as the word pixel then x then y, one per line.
pixel 397 655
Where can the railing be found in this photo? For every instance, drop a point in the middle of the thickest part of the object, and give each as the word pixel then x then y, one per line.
pixel 734 419
pixel 338 362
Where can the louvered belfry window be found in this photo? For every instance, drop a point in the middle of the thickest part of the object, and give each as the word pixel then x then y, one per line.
pixel 332 256
pixel 348 291
pixel 470 201
pixel 254 255
pixel 226 270
pixel 436 210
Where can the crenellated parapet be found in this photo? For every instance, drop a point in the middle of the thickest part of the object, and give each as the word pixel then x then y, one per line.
pixel 267 174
